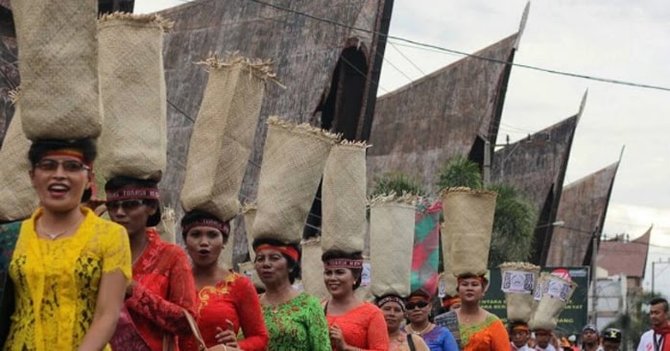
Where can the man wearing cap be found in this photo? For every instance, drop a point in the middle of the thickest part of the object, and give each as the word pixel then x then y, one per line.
pixel 543 340
pixel 611 339
pixel 590 338
pixel 656 338
pixel 519 334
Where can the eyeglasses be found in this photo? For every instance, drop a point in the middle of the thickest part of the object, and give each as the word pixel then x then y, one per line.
pixel 69 166
pixel 413 305
pixel 127 205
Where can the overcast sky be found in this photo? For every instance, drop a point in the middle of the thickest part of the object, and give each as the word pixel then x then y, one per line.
pixel 617 39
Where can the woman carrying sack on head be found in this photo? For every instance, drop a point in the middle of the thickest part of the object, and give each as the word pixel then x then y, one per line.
pixel 353 323
pixel 436 337
pixel 226 301
pixel 393 308
pixel 162 286
pixel 294 320
pixel 70 268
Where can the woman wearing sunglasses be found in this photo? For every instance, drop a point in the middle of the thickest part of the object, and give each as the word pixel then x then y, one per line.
pixel 70 268
pixel 418 310
pixel 226 300
pixel 353 324
pixel 393 308
pixel 162 285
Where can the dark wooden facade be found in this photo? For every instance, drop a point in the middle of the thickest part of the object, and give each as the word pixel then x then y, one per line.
pixel 450 112
pixel 582 209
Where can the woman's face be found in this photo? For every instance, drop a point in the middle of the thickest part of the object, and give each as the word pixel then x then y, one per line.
pixel 132 214
pixel 204 245
pixel 271 266
pixel 394 315
pixel 418 309
pixel 339 281
pixel 60 182
pixel 470 290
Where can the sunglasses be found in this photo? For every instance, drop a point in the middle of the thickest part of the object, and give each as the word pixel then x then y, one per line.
pixel 69 166
pixel 413 305
pixel 125 204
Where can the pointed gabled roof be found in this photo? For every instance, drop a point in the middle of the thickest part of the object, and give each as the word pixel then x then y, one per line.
pixel 420 126
pixel 627 258
pixel 582 211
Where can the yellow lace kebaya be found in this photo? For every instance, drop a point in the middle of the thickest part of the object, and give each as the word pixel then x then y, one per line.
pixel 56 282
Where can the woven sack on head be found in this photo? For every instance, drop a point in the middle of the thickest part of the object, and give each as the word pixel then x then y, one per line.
pixel 312 268
pixel 468 222
pixel 249 213
pixel 223 135
pixel 249 270
pixel 343 198
pixel 58 64
pixel 448 276
pixel 554 294
pixel 19 199
pixel 364 291
pixel 133 142
pixel 294 158
pixel 391 244
pixel 518 281
pixel 167 228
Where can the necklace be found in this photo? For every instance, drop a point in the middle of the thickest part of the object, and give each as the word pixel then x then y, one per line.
pixel 54 236
pixel 420 332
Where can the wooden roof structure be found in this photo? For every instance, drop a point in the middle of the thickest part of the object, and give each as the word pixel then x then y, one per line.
pixel 582 211
pixel 627 258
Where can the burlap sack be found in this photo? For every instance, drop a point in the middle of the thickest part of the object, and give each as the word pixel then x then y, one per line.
pixel 223 135
pixel 249 270
pixel 167 228
pixel 294 158
pixel 391 245
pixel 58 63
pixel 448 277
pixel 133 142
pixel 343 198
pixel 249 213
pixel 555 293
pixel 364 291
pixel 518 281
pixel 468 222
pixel 312 269
pixel 19 199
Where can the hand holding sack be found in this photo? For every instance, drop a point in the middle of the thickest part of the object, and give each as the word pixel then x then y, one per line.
pixel 58 64
pixel 519 280
pixel 132 84
pixel 16 189
pixel 554 294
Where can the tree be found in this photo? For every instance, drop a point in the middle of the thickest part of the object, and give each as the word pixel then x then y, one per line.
pixel 459 171
pixel 398 183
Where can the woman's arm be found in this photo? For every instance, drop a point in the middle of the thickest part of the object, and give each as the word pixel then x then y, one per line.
pixel 251 316
pixel 378 337
pixel 107 308
pixel 499 336
pixel 449 342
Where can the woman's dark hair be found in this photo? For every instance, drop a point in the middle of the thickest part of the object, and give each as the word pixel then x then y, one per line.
pixel 294 270
pixel 196 215
pixel 39 148
pixel 335 254
pixel 120 182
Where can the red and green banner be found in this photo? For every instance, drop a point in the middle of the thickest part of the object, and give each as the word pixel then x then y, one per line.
pixel 426 255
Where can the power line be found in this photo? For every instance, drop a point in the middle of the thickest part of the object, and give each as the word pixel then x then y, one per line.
pixel 462 53
pixel 407 58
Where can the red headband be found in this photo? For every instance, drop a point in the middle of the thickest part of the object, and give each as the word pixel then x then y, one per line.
pixel 68 152
pixel 344 263
pixel 286 250
pixel 208 222
pixel 481 279
pixel 133 193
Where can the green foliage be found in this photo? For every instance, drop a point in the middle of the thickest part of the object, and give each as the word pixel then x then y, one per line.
pixel 513 227
pixel 459 171
pixel 398 183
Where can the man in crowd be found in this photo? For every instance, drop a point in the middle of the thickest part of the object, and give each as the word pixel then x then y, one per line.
pixel 543 340
pixel 590 338
pixel 656 339
pixel 611 339
pixel 519 334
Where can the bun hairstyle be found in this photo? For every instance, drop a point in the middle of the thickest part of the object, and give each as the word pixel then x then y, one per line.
pixel 355 257
pixel 294 270
pixel 196 217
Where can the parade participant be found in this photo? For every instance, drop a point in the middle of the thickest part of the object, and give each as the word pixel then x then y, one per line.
pixel 543 340
pixel 294 320
pixel 418 307
pixel 226 301
pixel 353 324
pixel 70 268
pixel 450 303
pixel 611 339
pixel 393 308
pixel 590 338
pixel 519 335
pixel 656 339
pixel 162 285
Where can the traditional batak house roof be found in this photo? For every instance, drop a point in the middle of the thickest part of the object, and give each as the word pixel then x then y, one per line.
pixel 628 258
pixel 450 112
pixel 536 166
pixel 582 211
pixel 330 71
